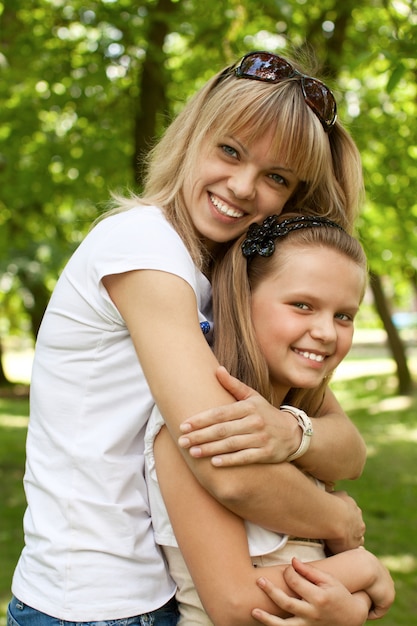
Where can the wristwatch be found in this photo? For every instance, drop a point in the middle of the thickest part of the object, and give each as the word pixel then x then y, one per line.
pixel 306 426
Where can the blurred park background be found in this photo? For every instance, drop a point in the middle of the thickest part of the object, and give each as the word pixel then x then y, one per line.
pixel 86 86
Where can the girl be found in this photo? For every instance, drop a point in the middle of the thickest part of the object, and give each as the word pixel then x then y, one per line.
pixel 285 298
pixel 122 331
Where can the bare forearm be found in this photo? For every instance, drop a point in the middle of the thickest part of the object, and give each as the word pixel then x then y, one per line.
pixel 337 450
pixel 282 498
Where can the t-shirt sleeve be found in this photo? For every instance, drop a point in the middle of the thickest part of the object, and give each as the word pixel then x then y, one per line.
pixel 137 239
pixel 140 239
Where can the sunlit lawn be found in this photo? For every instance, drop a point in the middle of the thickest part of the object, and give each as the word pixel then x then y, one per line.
pixel 387 491
pixel 13 421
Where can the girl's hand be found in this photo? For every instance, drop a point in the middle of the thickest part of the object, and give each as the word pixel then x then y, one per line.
pixel 248 431
pixel 381 590
pixel 322 600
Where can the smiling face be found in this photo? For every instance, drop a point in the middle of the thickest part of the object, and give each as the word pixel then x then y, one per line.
pixel 234 184
pixel 303 314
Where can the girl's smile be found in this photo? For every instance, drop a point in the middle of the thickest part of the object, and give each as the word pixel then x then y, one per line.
pixel 303 314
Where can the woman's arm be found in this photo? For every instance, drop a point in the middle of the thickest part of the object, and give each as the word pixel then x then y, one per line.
pixel 337 434
pixel 160 311
pixel 214 545
pixel 337 450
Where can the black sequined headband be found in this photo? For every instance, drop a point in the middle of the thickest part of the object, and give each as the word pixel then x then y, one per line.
pixel 260 238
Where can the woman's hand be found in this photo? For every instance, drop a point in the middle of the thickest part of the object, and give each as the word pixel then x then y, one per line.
pixel 251 430
pixel 248 431
pixel 322 600
pixel 354 526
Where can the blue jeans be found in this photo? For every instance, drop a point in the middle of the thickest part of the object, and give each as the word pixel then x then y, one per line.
pixel 18 614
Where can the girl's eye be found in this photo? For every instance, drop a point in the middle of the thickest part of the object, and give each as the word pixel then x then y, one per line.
pixel 344 317
pixel 229 150
pixel 277 178
pixel 301 305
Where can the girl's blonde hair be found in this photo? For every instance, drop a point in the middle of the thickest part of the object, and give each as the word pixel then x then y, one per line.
pixel 234 278
pixel 328 165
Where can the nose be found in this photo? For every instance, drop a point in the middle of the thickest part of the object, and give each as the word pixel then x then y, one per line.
pixel 324 329
pixel 242 183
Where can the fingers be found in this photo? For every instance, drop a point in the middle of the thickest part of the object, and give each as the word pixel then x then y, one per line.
pixel 233 385
pixel 272 620
pixel 244 432
pixel 247 456
pixel 234 421
pixel 355 526
pixel 279 597
pixel 309 572
pixel 321 599
pixel 233 450
pixel 225 423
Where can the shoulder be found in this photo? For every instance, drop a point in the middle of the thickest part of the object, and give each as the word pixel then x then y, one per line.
pixel 140 236
pixel 138 218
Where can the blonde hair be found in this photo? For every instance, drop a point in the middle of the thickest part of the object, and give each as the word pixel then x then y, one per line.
pixel 328 165
pixel 234 278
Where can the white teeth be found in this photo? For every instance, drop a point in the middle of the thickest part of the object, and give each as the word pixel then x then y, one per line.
pixel 224 209
pixel 311 355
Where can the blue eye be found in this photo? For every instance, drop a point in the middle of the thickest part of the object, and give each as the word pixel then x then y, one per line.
pixel 343 317
pixel 229 150
pixel 277 178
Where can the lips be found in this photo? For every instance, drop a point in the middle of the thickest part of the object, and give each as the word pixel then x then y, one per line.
pixel 225 209
pixel 312 356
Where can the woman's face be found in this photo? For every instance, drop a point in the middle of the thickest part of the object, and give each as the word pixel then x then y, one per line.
pixel 236 184
pixel 303 314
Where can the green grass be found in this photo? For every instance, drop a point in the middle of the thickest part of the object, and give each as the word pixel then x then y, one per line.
pixel 13 422
pixel 387 491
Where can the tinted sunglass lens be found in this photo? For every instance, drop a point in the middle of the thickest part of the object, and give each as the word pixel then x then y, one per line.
pixel 267 67
pixel 321 100
pixel 272 68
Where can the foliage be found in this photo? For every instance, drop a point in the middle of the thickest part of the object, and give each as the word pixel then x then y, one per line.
pixel 85 87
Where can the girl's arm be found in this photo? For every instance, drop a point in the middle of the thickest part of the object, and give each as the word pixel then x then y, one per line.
pixel 334 606
pixel 214 545
pixel 333 611
pixel 337 450
pixel 160 311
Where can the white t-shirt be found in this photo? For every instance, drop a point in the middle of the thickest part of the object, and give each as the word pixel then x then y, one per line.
pixel 90 552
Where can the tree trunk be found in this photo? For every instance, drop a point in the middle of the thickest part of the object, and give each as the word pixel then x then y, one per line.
pixel 395 343
pixel 4 381
pixel 152 99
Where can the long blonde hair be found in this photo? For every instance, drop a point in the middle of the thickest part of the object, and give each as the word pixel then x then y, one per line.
pixel 235 343
pixel 328 165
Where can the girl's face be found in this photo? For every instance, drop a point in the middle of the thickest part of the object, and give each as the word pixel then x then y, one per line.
pixel 235 184
pixel 303 315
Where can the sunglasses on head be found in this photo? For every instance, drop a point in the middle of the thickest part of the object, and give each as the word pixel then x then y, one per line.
pixel 271 68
